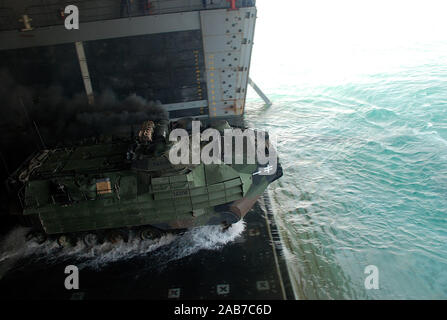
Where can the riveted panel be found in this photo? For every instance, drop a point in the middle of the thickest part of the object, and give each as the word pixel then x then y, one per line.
pixel 227 42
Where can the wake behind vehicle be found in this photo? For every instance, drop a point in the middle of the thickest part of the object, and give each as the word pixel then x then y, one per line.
pixel 102 190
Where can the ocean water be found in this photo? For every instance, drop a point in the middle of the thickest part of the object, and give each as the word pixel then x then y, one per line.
pixel 362 136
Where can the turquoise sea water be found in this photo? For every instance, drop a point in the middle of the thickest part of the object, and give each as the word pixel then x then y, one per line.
pixel 363 143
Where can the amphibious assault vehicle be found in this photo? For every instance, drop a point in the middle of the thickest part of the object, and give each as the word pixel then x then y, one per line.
pixel 100 190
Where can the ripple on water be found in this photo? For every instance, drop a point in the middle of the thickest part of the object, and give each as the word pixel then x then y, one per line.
pixel 365 182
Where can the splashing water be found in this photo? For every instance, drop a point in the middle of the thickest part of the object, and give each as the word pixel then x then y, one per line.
pixel 168 248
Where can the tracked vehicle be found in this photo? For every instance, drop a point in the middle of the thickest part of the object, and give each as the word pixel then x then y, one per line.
pixel 102 190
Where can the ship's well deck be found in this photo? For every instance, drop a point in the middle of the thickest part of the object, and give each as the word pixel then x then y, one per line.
pixel 251 267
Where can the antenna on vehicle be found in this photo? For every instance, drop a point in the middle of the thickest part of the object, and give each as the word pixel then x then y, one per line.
pixel 32 121
pixel 40 137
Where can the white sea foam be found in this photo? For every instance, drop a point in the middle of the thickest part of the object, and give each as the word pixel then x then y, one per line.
pixel 172 247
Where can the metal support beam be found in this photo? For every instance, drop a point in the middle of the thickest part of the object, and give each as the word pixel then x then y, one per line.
pixel 84 71
pixel 106 29
pixel 259 92
pixel 185 105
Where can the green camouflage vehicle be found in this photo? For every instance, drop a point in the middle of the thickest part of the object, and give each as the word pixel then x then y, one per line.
pixel 100 190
